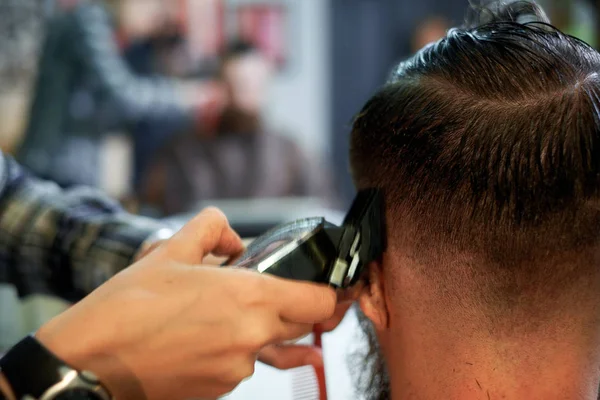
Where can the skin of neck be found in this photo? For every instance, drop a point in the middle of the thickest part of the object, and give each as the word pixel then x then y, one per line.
pixel 427 365
pixel 436 351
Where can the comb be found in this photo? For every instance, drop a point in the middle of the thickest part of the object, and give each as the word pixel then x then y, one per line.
pixel 308 383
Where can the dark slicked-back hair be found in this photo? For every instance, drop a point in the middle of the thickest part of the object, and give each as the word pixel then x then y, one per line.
pixel 488 142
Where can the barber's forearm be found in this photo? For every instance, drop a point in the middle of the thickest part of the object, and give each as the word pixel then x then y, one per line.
pixel 120 242
pixel 80 236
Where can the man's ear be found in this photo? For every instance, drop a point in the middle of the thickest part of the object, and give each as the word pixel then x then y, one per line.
pixel 372 299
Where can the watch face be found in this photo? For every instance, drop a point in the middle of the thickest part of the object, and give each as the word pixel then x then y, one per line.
pixel 78 394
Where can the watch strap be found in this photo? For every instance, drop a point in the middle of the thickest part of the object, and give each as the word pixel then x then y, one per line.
pixel 30 368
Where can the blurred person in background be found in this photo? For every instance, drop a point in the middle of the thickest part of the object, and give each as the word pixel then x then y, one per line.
pixel 238 157
pixel 21 24
pixel 164 53
pixel 85 89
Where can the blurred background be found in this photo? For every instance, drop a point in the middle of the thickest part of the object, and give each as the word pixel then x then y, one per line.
pixel 172 104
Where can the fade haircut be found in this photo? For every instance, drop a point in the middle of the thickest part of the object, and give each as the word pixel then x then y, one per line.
pixel 487 143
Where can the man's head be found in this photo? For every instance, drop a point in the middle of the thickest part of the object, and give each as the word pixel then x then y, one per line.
pixel 487 145
pixel 247 73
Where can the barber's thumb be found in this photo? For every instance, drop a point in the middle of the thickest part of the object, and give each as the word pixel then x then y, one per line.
pixel 208 232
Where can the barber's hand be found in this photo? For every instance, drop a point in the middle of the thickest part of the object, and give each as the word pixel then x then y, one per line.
pixel 153 242
pixel 346 298
pixel 207 101
pixel 167 328
pixel 286 356
pixel 199 94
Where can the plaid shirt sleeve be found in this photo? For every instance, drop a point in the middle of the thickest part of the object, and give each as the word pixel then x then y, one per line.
pixel 64 243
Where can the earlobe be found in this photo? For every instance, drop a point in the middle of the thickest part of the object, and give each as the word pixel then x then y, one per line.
pixel 372 300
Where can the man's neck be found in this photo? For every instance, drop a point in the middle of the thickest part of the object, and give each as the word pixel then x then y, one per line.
pixel 469 371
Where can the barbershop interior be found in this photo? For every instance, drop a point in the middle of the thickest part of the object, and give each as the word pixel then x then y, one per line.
pixel 172 106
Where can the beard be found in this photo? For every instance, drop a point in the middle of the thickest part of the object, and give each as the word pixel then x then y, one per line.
pixel 237 121
pixel 367 365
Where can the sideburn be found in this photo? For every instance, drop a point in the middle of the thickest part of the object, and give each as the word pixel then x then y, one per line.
pixel 367 365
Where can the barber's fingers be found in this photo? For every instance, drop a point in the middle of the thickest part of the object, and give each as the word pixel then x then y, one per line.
pixel 292 331
pixel 345 299
pixel 303 302
pixel 208 232
pixel 351 294
pixel 291 356
pixel 216 260
pixel 336 319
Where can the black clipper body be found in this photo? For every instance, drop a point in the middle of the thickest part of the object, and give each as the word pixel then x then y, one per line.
pixel 315 250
